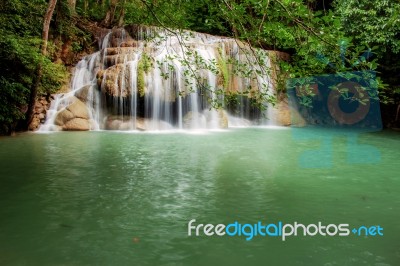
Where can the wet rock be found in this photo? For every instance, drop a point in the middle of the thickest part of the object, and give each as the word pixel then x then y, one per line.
pixel 77 124
pixel 141 124
pixel 287 116
pixel 216 118
pixel 115 80
pixel 82 94
pixel 35 123
pixel 74 117
pixel 282 114
pixel 40 109
pixel 79 109
pixel 194 120
pixel 63 117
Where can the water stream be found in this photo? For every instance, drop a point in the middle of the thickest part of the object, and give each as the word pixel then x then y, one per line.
pixel 166 80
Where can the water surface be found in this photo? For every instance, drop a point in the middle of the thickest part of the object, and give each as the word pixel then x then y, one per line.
pixel 112 198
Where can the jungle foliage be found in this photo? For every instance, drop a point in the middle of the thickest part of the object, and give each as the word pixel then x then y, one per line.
pixel 321 37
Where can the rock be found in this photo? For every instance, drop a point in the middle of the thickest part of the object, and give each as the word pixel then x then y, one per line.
pixel 282 114
pixel 130 43
pixel 74 116
pixel 42 104
pixel 112 124
pixel 78 109
pixel 77 124
pixel 41 116
pixel 216 118
pixel 115 80
pixel 297 119
pixel 285 115
pixel 239 122
pixel 34 125
pixel 63 117
pixel 193 120
pixel 93 124
pixel 39 110
pixel 223 119
pixel 141 124
pixel 82 93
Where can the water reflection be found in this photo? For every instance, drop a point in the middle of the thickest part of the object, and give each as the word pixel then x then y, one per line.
pixel 109 198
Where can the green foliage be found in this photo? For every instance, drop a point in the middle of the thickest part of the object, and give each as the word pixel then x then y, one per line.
pixel 13 99
pixel 376 24
pixel 371 23
pixel 20 28
pixel 223 72
pixel 145 63
pixel 326 41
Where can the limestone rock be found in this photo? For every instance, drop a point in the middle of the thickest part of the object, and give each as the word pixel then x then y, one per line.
pixel 216 118
pixel 285 115
pixel 39 113
pixel 114 81
pixel 193 120
pixel 75 116
pixel 82 94
pixel 77 124
pixel 282 114
pixel 79 109
pixel 223 119
pixel 62 117
pixel 141 124
pixel 34 124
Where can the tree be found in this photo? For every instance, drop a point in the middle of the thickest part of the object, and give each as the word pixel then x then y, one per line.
pixel 376 24
pixel 39 70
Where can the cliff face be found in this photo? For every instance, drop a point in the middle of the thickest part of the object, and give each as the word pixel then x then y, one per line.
pixel 168 77
pixel 141 74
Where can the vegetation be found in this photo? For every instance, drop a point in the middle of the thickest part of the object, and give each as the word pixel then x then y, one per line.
pixel 144 66
pixel 321 37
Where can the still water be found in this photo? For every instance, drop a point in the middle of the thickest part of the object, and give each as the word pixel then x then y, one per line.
pixel 112 198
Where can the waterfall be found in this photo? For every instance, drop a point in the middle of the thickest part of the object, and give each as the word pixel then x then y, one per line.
pixel 147 78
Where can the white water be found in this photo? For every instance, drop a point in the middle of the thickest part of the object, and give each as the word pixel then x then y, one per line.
pixel 181 86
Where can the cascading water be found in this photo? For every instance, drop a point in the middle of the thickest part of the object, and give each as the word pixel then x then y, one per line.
pixel 147 78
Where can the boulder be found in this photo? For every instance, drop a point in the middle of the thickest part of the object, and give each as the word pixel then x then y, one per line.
pixel 77 124
pixel 63 117
pixel 141 124
pixel 74 117
pixel 35 123
pixel 223 119
pixel 115 80
pixel 79 109
pixel 82 93
pixel 285 115
pixel 193 120
pixel 216 118
pixel 282 114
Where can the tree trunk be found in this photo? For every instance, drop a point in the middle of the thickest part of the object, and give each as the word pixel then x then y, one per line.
pixel 122 15
pixel 72 4
pixel 85 6
pixel 35 84
pixel 109 19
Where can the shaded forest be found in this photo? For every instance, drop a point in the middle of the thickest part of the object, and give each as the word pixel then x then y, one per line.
pixel 42 40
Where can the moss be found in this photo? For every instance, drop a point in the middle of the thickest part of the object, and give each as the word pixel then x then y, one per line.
pixel 223 70
pixel 140 81
pixel 145 63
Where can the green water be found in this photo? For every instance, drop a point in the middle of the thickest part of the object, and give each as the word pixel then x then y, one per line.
pixel 109 198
